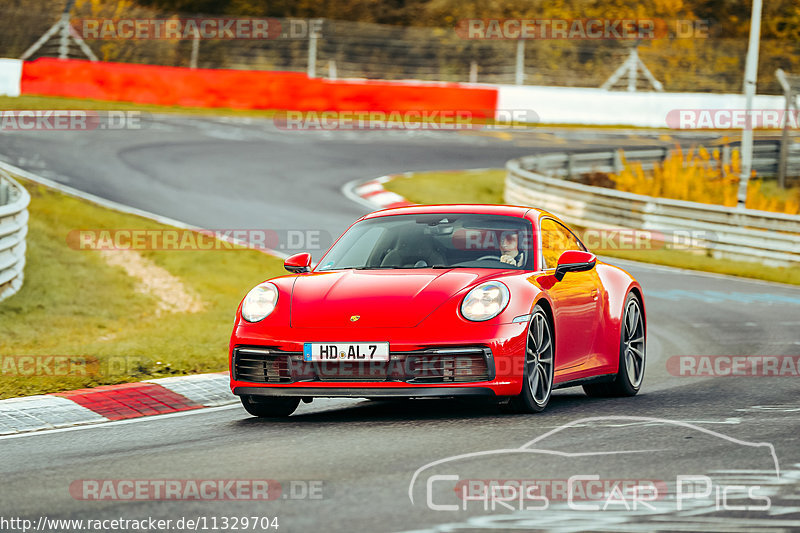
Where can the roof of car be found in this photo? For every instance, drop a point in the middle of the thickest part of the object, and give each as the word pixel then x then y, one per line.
pixel 486 209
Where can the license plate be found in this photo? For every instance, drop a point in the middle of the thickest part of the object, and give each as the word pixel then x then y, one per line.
pixel 346 351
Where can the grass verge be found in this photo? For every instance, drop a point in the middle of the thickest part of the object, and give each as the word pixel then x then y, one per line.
pixel 34 102
pixel 451 187
pixel 487 186
pixel 73 303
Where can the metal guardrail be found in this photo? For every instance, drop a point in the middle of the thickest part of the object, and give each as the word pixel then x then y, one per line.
pixel 14 200
pixel 765 160
pixel 742 234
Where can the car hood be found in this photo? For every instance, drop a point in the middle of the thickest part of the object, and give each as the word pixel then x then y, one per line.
pixel 379 298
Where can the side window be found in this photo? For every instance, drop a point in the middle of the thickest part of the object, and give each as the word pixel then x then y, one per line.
pixel 556 239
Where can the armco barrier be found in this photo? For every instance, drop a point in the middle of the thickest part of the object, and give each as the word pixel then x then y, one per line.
pixel 765 160
pixel 245 89
pixel 741 234
pixel 14 200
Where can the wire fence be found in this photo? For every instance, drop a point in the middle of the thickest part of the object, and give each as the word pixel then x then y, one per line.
pixel 364 50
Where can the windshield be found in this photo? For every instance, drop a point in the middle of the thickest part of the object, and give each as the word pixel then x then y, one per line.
pixel 442 240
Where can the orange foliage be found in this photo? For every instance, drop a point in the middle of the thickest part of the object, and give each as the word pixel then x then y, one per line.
pixel 700 176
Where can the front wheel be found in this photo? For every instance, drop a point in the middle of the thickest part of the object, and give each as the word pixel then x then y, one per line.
pixel 537 385
pixel 631 355
pixel 270 406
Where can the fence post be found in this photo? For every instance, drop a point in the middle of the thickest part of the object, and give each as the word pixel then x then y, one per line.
pixel 312 51
pixel 473 72
pixel 633 64
pixel 519 77
pixel 64 31
pixel 195 50
pixel 750 79
pixel 617 162
pixel 790 86
pixel 784 148
pixel 332 69
pixel 726 155
pixel 63 41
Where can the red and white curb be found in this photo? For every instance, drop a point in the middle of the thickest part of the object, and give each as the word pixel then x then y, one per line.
pixel 371 193
pixel 114 402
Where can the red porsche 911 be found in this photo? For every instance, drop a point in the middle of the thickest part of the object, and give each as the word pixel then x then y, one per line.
pixel 441 301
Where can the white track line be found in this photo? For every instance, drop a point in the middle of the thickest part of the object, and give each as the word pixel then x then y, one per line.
pixel 715 275
pixel 100 425
pixel 110 204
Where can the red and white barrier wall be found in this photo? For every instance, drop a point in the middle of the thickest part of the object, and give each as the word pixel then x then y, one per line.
pixel 247 89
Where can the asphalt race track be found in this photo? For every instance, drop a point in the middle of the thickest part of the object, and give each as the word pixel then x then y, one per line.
pixel 350 465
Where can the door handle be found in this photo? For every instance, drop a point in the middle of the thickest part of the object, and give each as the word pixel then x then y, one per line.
pixel 594 294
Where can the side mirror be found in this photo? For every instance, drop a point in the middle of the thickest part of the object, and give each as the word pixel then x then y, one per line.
pixel 298 263
pixel 574 261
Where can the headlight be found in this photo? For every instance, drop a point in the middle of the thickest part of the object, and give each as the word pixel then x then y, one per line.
pixel 259 302
pixel 485 301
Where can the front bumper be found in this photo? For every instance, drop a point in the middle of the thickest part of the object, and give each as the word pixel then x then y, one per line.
pixel 482 360
pixel 366 392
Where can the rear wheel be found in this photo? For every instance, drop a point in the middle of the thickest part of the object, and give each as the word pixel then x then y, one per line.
pixel 537 385
pixel 631 355
pixel 270 406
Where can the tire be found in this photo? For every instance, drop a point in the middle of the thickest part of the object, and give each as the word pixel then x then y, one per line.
pixel 539 366
pixel 632 354
pixel 270 406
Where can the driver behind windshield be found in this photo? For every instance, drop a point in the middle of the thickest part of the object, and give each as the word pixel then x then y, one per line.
pixel 509 247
